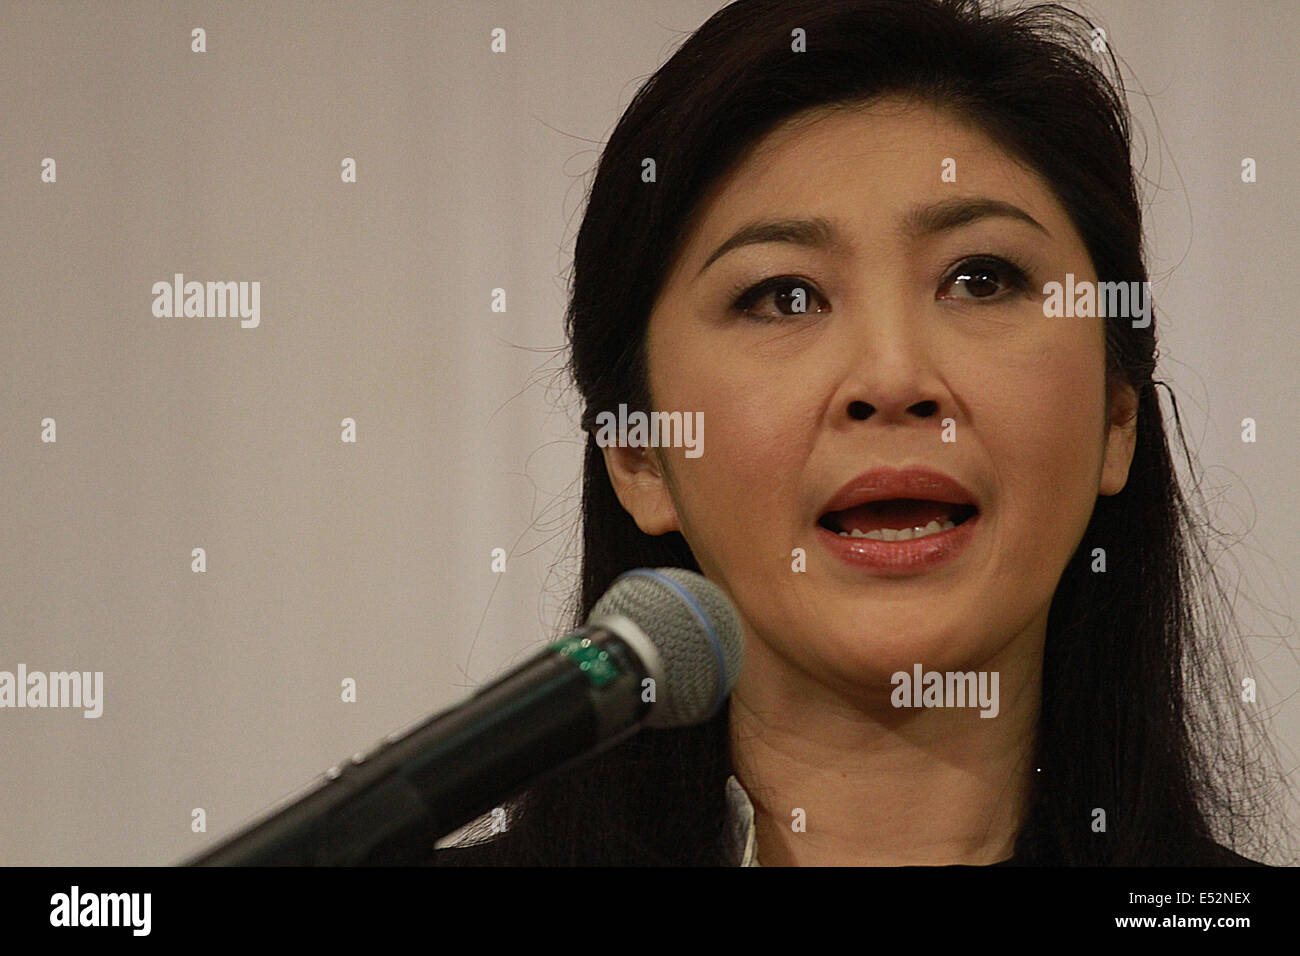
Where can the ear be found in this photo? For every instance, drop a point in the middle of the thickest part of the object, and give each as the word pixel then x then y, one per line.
pixel 638 479
pixel 1121 437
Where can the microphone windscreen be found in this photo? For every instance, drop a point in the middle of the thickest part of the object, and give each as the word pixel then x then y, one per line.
pixel 695 631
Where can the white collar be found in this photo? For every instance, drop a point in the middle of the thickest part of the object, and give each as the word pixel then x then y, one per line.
pixel 740 819
pixel 740 815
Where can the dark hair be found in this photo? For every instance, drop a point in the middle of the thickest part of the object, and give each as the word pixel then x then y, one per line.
pixel 1140 714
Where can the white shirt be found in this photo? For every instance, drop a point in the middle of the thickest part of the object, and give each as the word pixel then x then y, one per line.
pixel 740 814
pixel 740 817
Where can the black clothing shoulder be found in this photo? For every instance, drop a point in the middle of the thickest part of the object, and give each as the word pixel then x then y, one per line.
pixel 494 853
pixel 1212 854
pixel 487 853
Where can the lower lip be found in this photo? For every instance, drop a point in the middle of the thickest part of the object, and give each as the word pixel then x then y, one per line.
pixel 900 558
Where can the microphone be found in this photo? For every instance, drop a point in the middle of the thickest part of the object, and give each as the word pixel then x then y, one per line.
pixel 661 648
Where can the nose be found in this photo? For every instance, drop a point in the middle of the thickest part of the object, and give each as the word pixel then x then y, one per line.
pixel 860 411
pixel 892 375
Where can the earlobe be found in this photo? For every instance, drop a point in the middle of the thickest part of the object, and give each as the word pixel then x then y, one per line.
pixel 642 490
pixel 1121 439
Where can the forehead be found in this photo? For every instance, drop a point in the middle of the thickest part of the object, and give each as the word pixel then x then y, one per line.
pixel 867 166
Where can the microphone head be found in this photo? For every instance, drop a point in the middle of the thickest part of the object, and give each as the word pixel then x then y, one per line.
pixel 687 633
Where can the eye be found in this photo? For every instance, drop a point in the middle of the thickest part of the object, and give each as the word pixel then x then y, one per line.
pixel 984 277
pixel 798 296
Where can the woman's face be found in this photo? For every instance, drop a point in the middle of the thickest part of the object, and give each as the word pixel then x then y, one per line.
pixel 918 344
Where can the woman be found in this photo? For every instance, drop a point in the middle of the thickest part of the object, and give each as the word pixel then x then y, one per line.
pixel 829 228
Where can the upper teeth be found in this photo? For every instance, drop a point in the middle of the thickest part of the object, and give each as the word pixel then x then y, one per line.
pixel 903 534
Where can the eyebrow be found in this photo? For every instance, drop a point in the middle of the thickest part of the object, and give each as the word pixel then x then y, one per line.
pixel 919 222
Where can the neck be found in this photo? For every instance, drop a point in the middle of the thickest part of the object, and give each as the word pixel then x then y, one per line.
pixel 879 785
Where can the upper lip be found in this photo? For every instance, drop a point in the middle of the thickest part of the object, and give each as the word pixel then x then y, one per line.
pixel 882 484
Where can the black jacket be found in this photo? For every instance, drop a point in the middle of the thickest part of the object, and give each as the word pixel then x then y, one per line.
pixel 1027 853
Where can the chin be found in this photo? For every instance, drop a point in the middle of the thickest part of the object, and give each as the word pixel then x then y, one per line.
pixel 878 651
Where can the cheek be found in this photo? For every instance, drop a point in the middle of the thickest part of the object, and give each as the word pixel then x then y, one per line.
pixel 1043 432
pixel 759 430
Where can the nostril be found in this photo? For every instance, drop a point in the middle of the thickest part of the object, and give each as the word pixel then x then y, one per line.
pixel 859 411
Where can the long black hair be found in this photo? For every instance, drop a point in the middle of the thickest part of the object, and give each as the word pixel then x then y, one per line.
pixel 1140 715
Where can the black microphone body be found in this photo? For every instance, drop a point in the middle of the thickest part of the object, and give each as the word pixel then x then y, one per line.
pixel 388 807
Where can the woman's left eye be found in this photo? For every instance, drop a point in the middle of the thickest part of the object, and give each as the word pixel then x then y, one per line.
pixel 986 278
pixel 797 295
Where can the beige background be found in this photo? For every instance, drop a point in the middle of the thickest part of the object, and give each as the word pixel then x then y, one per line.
pixel 328 560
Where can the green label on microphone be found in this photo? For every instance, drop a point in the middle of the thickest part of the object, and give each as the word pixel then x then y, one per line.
pixel 592 661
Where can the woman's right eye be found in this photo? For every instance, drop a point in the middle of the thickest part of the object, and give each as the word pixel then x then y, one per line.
pixel 798 296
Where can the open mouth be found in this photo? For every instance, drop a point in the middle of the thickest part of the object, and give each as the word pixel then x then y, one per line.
pixel 897 519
